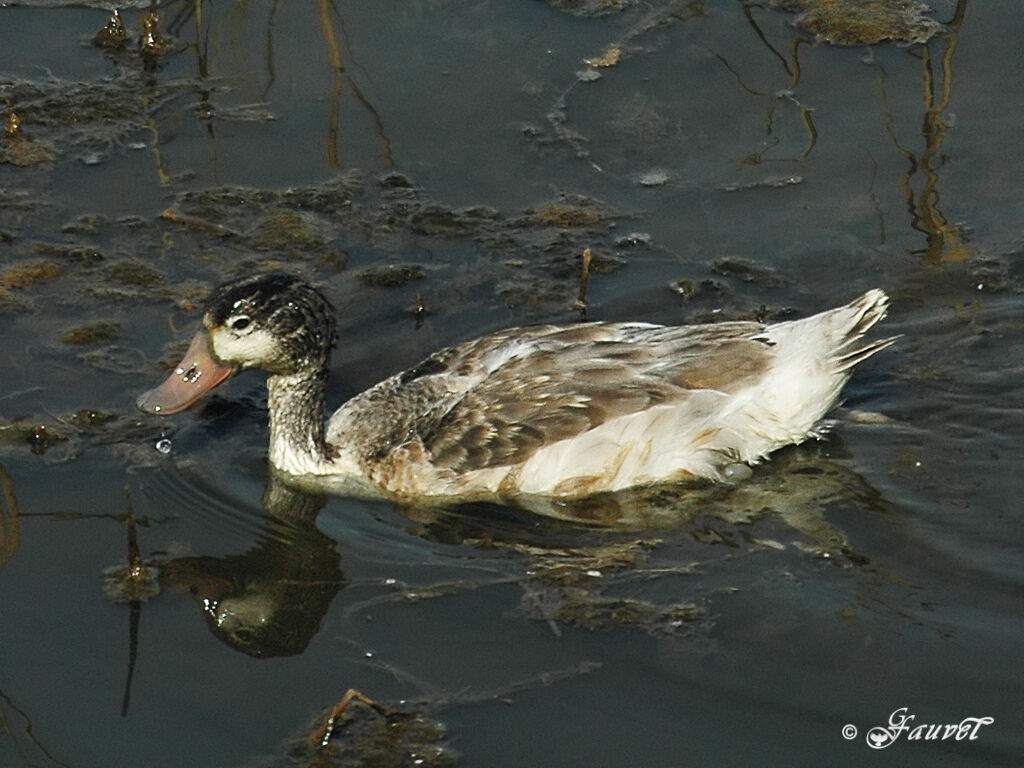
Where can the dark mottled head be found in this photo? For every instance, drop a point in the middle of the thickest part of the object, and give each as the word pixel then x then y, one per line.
pixel 272 321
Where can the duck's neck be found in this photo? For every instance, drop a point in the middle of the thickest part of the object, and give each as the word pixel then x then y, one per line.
pixel 297 431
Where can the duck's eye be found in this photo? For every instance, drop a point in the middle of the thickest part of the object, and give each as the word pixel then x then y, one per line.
pixel 239 323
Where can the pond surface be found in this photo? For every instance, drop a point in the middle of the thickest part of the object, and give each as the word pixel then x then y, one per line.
pixel 439 167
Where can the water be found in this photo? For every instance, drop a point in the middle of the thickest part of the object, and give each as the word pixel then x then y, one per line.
pixel 714 176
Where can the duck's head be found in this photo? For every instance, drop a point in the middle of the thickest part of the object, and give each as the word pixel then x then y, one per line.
pixel 271 321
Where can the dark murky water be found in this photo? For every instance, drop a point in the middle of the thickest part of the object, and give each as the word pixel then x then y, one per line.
pixel 724 166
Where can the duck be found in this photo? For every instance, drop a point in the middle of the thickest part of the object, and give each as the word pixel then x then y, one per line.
pixel 554 411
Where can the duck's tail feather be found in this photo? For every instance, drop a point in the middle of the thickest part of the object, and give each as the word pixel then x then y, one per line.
pixel 846 361
pixel 856 319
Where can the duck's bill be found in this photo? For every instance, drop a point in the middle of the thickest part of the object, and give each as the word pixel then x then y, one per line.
pixel 194 376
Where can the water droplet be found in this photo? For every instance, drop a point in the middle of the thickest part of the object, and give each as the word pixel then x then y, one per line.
pixel 163 445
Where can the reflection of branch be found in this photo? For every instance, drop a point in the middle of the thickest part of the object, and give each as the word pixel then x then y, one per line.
pixel 760 34
pixel 944 241
pixel 941 234
pixel 794 60
pixel 135 606
pixel 271 67
pixel 385 142
pixel 201 42
pixel 735 74
pixel 8 519
pixel 812 132
pixel 805 112
pixel 338 66
pixel 334 53
pixel 791 64
pixel 150 123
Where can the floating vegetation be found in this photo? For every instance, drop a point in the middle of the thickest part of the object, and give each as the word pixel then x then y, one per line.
pixel 64 435
pixel 391 738
pixel 746 270
pixel 196 223
pixel 571 212
pixel 38 437
pixel 567 587
pixel 152 44
pixel 106 108
pixel 92 333
pixel 78 254
pixel 320 224
pixel 294 234
pixel 863 22
pixel 113 34
pixel 12 302
pixel 581 607
pixel 134 273
pixel 85 224
pixel 360 732
pixel 18 149
pixel 28 274
pixel 439 221
pixel 574 566
pixel 89 418
pixel 609 58
pixel 83 119
pixel 391 275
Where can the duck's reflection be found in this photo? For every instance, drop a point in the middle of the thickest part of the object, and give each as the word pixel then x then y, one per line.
pixel 270 600
pixel 796 488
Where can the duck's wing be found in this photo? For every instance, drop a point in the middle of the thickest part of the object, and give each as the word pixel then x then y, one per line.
pixel 508 395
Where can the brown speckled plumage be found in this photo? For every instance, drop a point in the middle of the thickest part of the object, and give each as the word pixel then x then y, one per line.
pixel 576 378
